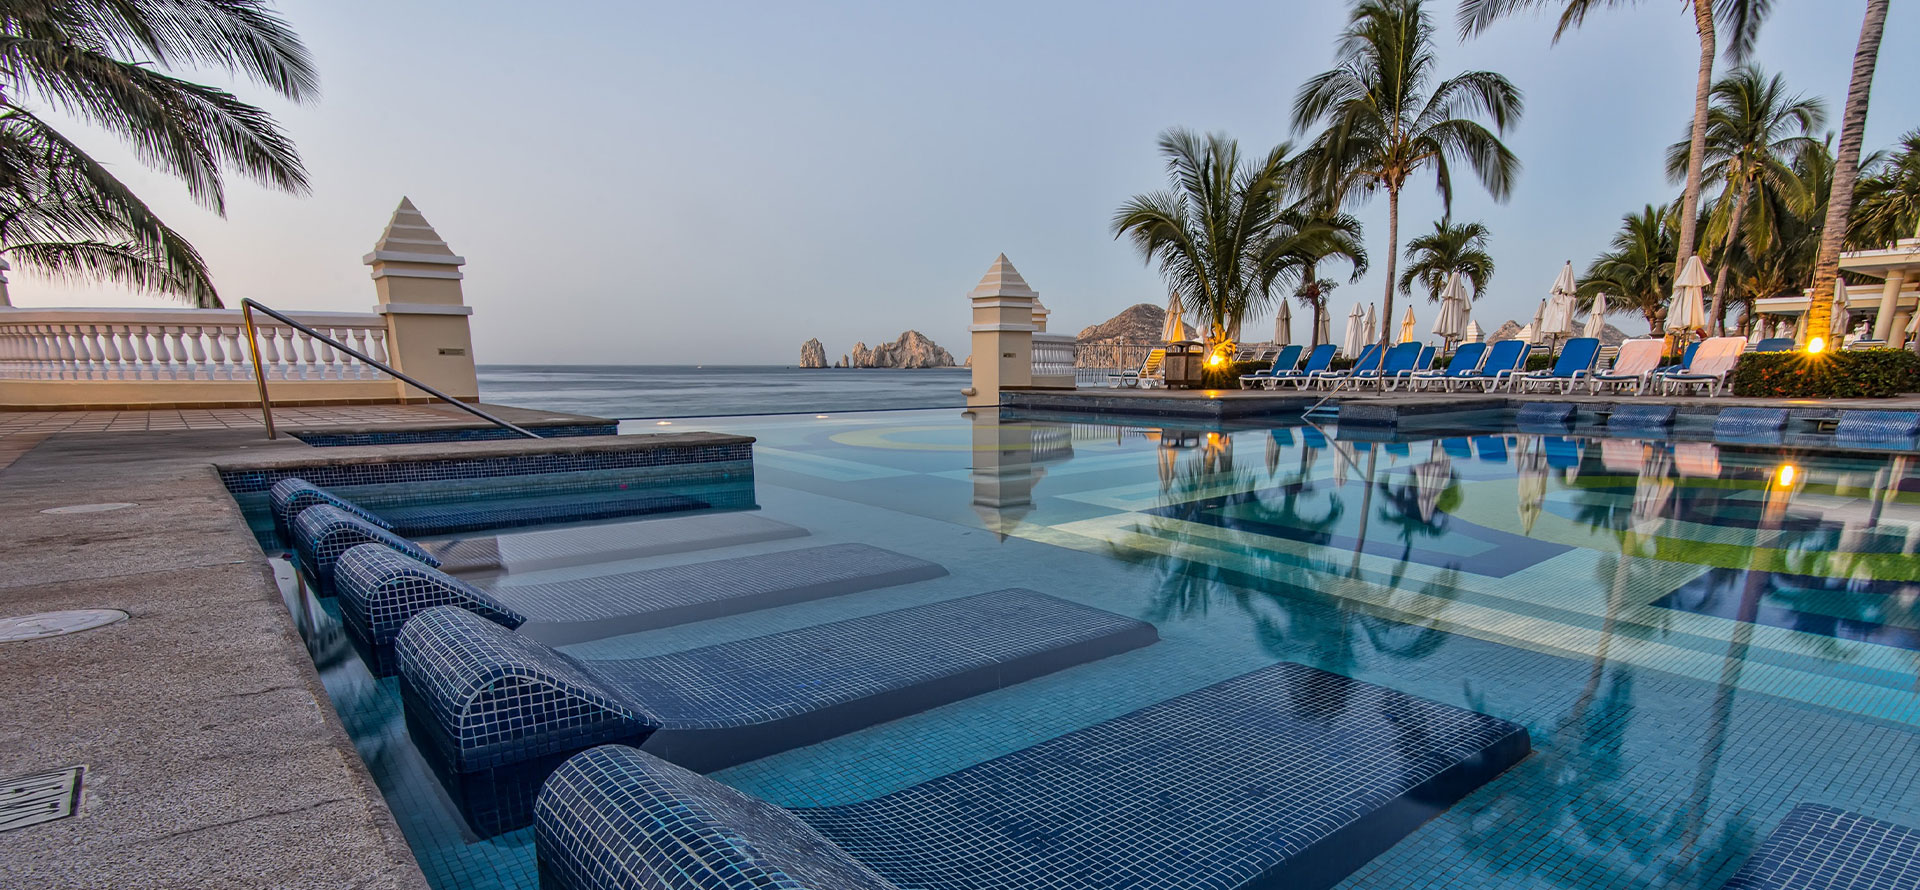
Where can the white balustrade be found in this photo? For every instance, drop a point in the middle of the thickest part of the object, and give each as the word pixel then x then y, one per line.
pixel 182 344
pixel 1052 357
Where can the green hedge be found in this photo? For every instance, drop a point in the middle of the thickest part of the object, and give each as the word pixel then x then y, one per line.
pixel 1852 374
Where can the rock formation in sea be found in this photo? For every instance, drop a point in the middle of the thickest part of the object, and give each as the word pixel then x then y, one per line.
pixel 911 350
pixel 813 355
pixel 844 362
pixel 1139 323
pixel 862 356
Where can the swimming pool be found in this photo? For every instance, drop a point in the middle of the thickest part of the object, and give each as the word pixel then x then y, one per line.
pixel 1698 636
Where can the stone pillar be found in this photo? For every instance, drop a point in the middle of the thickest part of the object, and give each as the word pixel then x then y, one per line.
pixel 1002 334
pixel 417 278
pixel 1040 313
pixel 1883 323
pixel 1003 471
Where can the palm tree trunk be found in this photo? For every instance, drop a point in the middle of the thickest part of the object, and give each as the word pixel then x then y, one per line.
pixel 1314 300
pixel 1393 257
pixel 1718 312
pixel 1846 171
pixel 1697 141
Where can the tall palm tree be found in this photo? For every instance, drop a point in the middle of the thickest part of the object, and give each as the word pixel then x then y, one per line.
pixel 104 62
pixel 1886 202
pixel 1222 234
pixel 1636 271
pixel 1339 241
pixel 1434 257
pixel 1754 131
pixel 1383 124
pixel 1846 170
pixel 1742 19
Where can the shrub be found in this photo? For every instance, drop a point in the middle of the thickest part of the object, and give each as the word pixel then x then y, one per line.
pixel 1228 376
pixel 1341 363
pixel 1854 374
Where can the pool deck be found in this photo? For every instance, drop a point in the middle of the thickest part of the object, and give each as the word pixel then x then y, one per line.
pixel 213 758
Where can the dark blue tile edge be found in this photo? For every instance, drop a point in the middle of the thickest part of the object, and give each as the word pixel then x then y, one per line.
pixel 248 481
pixel 325 439
pixel 1818 847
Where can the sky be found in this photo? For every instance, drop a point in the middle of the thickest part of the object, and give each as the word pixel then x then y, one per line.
pixel 665 183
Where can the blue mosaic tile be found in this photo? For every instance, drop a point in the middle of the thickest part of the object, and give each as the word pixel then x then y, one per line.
pixel 322 533
pixel 1640 417
pixel 341 475
pixel 1284 777
pixel 496 696
pixel 529 551
pixel 380 589
pixel 1545 414
pixel 1750 424
pixel 1867 611
pixel 1877 425
pixel 290 496
pixel 1826 848
pixel 563 507
pixel 320 439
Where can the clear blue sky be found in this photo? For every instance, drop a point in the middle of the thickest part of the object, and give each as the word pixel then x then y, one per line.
pixel 716 182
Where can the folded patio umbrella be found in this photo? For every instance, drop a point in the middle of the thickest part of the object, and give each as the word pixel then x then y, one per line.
pixel 1596 319
pixel 1406 327
pixel 1451 323
pixel 1356 338
pixel 1373 324
pixel 1556 318
pixel 1283 325
pixel 1175 329
pixel 1688 310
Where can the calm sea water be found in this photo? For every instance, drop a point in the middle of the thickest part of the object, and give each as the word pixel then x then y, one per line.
pixel 625 391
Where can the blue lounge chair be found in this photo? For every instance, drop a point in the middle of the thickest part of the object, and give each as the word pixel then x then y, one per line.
pixel 1574 365
pixel 1504 359
pixel 1316 363
pixel 1369 360
pixel 1465 361
pixel 1398 362
pixel 1259 782
pixel 1774 344
pixel 1285 361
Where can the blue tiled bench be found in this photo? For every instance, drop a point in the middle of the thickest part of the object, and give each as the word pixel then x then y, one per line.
pixel 1537 414
pixel 1877 426
pixel 1750 424
pixel 1824 848
pixel 379 590
pixel 289 497
pixel 1640 417
pixel 1287 777
pixel 322 533
pixel 481 699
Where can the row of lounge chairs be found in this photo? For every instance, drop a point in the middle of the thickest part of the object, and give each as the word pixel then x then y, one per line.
pixel 1705 367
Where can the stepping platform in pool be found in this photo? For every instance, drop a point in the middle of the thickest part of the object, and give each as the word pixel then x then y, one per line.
pixel 380 590
pixel 1825 848
pixel 1287 777
pixel 482 700
pixel 493 555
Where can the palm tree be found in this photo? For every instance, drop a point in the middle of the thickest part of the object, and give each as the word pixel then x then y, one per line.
pixel 1754 130
pixel 1222 233
pixel 104 63
pixel 1340 240
pixel 1887 200
pixel 1434 257
pixel 1846 170
pixel 1636 272
pixel 1383 125
pixel 1743 19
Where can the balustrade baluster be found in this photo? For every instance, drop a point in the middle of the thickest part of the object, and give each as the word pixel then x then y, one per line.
pixel 309 361
pixel 379 351
pixel 216 355
pixel 95 357
pixel 329 360
pixel 196 340
pixel 263 340
pixel 143 341
pixel 109 353
pixel 361 370
pixel 123 344
pixel 289 353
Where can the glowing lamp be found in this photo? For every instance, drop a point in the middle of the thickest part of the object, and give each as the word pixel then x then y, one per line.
pixel 1785 475
pixel 1816 345
pixel 1216 360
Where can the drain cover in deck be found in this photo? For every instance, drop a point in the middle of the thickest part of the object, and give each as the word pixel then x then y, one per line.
pixel 42 797
pixel 87 508
pixel 54 624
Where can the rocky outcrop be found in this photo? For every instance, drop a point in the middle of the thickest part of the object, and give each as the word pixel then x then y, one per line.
pixel 1505 331
pixel 1139 323
pixel 1609 336
pixel 911 350
pixel 844 362
pixel 813 355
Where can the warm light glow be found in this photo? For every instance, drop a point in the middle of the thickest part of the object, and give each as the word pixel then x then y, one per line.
pixel 820 417
pixel 1217 360
pixel 663 423
pixel 1786 475
pixel 1816 345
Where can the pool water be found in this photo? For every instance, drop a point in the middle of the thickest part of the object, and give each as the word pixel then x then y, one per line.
pixel 1698 637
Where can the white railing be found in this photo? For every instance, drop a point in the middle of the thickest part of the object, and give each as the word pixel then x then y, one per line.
pixel 181 344
pixel 1053 359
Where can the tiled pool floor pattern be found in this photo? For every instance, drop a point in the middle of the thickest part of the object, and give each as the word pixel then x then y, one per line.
pixel 1668 742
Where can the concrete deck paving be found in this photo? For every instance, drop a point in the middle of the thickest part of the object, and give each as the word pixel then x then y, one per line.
pixel 213 757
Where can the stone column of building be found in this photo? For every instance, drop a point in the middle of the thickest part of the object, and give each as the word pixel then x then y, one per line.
pixel 1002 334
pixel 1884 323
pixel 417 278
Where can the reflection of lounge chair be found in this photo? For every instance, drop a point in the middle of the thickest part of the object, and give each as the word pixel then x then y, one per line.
pixel 1283 362
pixel 1457 448
pixel 1634 367
pixel 1624 456
pixel 1493 449
pixel 1774 344
pixel 1144 378
pixel 1465 361
pixel 1572 367
pixel 1505 358
pixel 1697 459
pixel 1562 452
pixel 1288 776
pixel 1708 369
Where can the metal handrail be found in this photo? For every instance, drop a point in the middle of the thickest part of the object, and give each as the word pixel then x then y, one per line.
pixel 260 378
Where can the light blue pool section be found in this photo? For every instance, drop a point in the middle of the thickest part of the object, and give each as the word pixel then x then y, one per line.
pixel 1695 647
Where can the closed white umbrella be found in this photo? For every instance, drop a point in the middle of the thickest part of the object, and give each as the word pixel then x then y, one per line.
pixel 1373 324
pixel 1406 327
pixel 1758 334
pixel 1451 324
pixel 1175 329
pixel 1597 319
pixel 1556 315
pixel 1842 310
pixel 1283 325
pixel 1356 332
pixel 1322 320
pixel 1474 334
pixel 1688 310
pixel 1531 332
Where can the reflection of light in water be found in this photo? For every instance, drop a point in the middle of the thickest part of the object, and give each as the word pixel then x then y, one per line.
pixel 1786 475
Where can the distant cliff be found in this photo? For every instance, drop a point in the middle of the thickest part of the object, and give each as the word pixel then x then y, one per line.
pixel 911 350
pixel 813 355
pixel 1609 335
pixel 1139 323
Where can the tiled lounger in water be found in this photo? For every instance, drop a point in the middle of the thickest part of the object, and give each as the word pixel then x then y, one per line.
pixel 495 711
pixel 1823 848
pixel 1286 777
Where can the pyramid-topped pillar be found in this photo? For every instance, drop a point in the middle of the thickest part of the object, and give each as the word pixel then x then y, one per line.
pixel 417 279
pixel 1002 334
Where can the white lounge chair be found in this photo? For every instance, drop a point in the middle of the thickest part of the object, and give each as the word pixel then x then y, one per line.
pixel 1633 367
pixel 1711 364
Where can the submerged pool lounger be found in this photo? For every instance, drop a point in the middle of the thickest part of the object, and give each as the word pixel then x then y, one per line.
pixel 487 556
pixel 1820 847
pixel 1286 777
pixel 380 589
pixel 322 533
pixel 482 701
pixel 291 496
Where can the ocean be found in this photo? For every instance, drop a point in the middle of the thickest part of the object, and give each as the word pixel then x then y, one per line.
pixel 644 391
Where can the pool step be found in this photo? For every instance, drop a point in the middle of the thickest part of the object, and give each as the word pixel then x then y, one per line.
pixel 491 556
pixel 541 510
